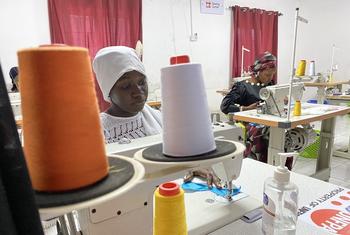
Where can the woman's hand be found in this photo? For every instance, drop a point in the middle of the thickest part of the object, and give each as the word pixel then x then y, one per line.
pixel 205 174
pixel 249 107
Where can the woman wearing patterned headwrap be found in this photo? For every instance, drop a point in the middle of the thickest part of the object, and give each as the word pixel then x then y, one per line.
pixel 245 95
pixel 14 78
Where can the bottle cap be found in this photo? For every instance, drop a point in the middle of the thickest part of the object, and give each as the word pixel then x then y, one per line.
pixel 181 59
pixel 169 189
pixel 282 173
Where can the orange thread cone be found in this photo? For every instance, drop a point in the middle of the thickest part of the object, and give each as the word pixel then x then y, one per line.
pixel 63 141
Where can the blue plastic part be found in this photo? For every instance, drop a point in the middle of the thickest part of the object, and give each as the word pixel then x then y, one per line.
pixel 314 101
pixel 194 187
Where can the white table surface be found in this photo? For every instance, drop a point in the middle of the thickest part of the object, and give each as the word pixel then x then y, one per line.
pixel 252 177
pixel 306 117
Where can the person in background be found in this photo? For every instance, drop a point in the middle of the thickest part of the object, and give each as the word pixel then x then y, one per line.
pixel 123 82
pixel 244 95
pixel 14 78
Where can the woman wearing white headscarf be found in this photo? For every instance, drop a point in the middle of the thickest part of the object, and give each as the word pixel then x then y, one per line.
pixel 122 79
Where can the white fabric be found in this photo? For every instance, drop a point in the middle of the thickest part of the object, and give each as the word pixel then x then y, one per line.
pixel 111 63
pixel 152 120
pixel 145 123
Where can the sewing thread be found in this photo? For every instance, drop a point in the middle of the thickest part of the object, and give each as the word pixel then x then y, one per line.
pixel 63 141
pixel 301 68
pixel 169 210
pixel 297 108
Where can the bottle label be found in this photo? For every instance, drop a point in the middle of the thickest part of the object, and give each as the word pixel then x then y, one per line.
pixel 268 215
pixel 269 205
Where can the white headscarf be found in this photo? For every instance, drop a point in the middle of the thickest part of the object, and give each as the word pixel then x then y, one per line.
pixel 111 63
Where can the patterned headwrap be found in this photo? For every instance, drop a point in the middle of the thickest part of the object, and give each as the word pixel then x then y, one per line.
pixel 13 72
pixel 264 61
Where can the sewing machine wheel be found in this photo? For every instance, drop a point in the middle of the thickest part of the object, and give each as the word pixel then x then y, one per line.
pixel 298 139
pixel 264 94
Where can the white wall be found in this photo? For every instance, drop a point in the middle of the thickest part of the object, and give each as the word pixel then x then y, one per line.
pixel 23 23
pixel 167 32
pixel 328 25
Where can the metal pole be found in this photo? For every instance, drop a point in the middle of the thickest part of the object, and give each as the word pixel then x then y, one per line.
pixel 242 59
pixel 64 228
pixel 242 51
pixel 293 62
pixel 332 65
pixel 69 224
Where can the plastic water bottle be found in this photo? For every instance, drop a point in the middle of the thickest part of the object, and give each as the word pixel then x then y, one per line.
pixel 280 200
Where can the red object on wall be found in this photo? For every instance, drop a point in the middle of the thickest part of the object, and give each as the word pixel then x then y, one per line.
pixel 256 30
pixel 95 24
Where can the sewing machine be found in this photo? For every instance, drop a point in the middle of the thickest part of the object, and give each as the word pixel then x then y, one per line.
pixel 296 139
pixel 131 213
pixel 274 97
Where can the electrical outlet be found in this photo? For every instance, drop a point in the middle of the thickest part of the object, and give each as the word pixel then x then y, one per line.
pixel 194 37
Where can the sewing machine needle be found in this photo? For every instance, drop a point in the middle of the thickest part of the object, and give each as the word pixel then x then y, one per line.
pixel 229 191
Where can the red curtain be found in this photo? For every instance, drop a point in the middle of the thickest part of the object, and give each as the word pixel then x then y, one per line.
pixel 256 30
pixel 95 24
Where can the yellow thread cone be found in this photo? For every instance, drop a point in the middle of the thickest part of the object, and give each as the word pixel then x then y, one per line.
pixel 330 78
pixel 297 108
pixel 169 210
pixel 301 68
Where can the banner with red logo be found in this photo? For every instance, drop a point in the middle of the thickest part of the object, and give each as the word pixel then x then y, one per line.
pixel 330 212
pixel 212 7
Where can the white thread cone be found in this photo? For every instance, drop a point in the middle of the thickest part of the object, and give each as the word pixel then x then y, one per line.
pixel 187 128
pixel 312 69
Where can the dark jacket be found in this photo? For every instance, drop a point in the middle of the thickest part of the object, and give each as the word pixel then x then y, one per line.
pixel 242 94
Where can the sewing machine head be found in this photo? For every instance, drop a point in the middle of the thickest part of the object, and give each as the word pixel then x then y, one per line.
pixel 136 205
pixel 226 170
pixel 275 98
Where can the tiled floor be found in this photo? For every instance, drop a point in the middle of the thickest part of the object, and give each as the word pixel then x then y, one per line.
pixel 340 169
